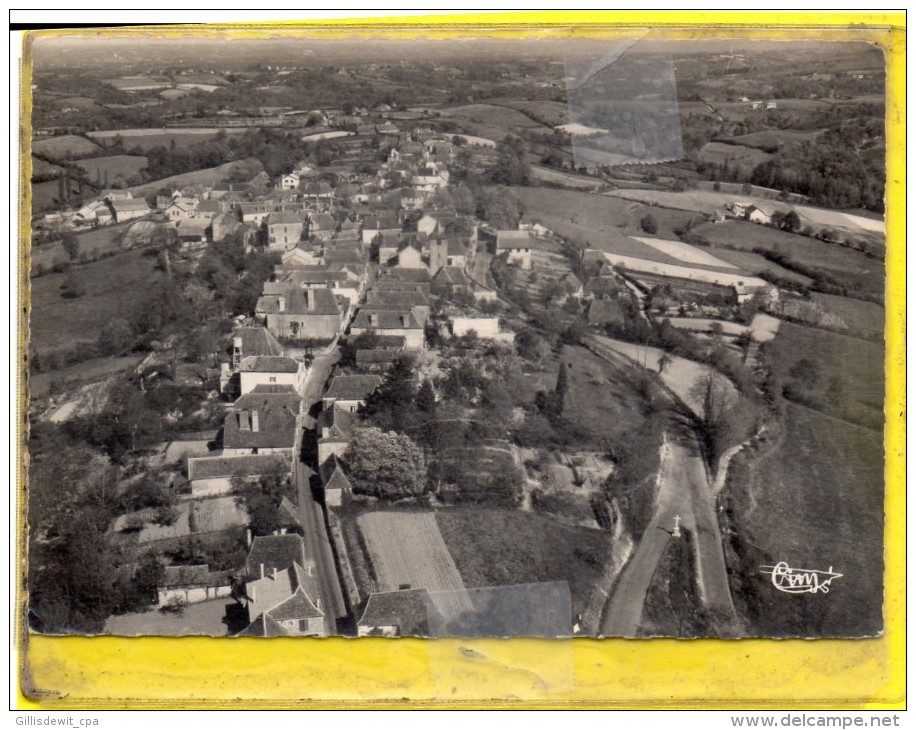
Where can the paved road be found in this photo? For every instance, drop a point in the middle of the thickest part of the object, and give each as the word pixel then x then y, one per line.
pixel 683 490
pixel 309 513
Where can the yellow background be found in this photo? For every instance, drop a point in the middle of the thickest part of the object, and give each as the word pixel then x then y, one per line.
pixel 99 672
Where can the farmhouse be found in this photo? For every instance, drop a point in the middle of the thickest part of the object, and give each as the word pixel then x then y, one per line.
pixel 255 212
pixel 335 429
pixel 449 280
pixel 517 245
pixel 447 251
pixel 269 554
pixel 288 182
pixel 193 230
pixel 337 487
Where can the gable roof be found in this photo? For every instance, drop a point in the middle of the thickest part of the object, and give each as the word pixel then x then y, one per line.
pixel 413 275
pixel 273 415
pixel 385 319
pixel 338 421
pixel 249 465
pixel 258 341
pixel 284 218
pixel 263 626
pixel 125 206
pixel 453 275
pixel 274 552
pixel 352 387
pixel 407 610
pixel 296 300
pixel 268 364
pixel 274 388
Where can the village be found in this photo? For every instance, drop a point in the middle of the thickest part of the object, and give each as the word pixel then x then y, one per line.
pixel 414 382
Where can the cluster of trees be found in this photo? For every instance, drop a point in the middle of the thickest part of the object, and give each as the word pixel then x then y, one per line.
pixel 79 574
pixel 261 498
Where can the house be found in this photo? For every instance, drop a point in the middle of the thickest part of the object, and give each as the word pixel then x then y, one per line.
pixel 349 392
pixel 601 287
pixel 288 182
pixel 188 584
pixel 322 225
pixel 410 258
pixel 400 301
pixel 287 601
pixel 110 196
pixel 129 209
pixel 254 342
pixel 269 554
pixel 283 230
pixel 573 287
pixel 447 251
pixel 304 254
pixel 760 214
pixel 396 613
pixel 181 209
pixel 427 225
pixel 212 475
pixel 517 245
pixel 291 312
pixel 385 322
pixel 255 212
pixel 271 370
pixel 335 429
pixel 449 280
pixel 604 312
pixel 337 486
pixel 384 223
pixel 193 230
pixel 262 423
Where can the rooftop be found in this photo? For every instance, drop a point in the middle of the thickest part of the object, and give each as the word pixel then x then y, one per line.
pixel 268 364
pixel 352 387
pixel 250 465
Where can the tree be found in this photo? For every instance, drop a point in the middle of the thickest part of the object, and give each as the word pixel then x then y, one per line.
pixel 664 361
pixel 73 287
pixel 115 337
pixel 649 224
pixel 791 222
pixel 386 465
pixel 426 398
pixel 261 498
pixel 71 245
pixel 391 405
pixel 512 166
pixel 715 419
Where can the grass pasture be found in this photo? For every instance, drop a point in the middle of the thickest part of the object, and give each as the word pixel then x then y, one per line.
pixel 859 316
pixel 149 138
pixel 208 176
pixel 754 263
pixel 493 547
pixel 83 372
pixel 596 388
pixel 491 115
pixel 814 500
pixel 125 166
pixel 773 138
pixel 41 169
pixel 65 147
pixel 738 156
pixel 851 370
pixel 112 287
pixel 866 273
pixel 548 113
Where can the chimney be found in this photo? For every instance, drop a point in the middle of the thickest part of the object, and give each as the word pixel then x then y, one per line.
pixel 248 537
pixel 243 421
pixel 262 570
pixel 255 426
pixel 275 572
pixel 405 319
pixel 310 300
pixel 281 304
pixel 373 319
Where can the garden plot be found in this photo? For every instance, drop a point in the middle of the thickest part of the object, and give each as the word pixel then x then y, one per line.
pixel 685 252
pixel 406 549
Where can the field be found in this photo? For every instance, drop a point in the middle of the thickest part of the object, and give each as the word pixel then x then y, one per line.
pixel 94 242
pixel 493 116
pixel 866 273
pixel 685 253
pixel 595 389
pixel 125 166
pixel 851 371
pixel 208 176
pixel 149 138
pixel 772 138
pixel 755 263
pixel 838 219
pixel 738 156
pixel 679 375
pixel 66 147
pixel 40 168
pixel 548 113
pixel 112 287
pixel 722 277
pixel 581 217
pixel 407 550
pixel 493 547
pixel 859 316
pixel 814 500
pixel 698 201
pixel 40 383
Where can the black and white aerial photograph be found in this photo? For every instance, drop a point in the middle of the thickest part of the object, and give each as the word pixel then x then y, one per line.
pixel 507 337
